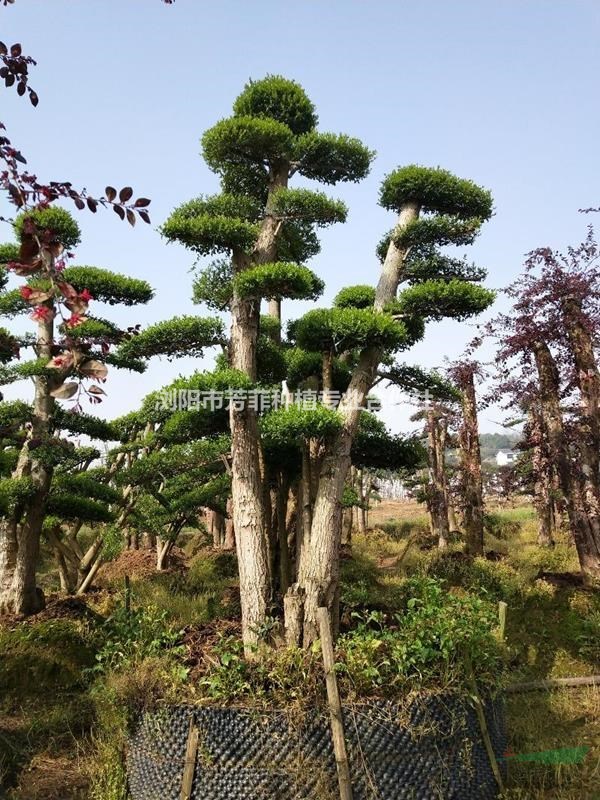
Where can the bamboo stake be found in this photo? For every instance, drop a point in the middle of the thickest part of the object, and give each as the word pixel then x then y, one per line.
pixel 479 710
pixel 335 707
pixel 189 765
pixel 502 607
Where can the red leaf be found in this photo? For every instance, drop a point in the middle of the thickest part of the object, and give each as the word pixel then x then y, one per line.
pixel 3 49
pixel 16 50
pixel 144 215
pixel 120 211
pixel 34 98
pixel 125 194
pixel 79 203
pixel 9 80
pixel 92 204
pixel 21 87
pixel 111 193
pixel 96 390
pixel 142 202
pixel 130 217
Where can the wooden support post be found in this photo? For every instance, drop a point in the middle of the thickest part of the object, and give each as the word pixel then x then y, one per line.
pixel 335 707
pixel 189 765
pixel 480 711
pixel 502 607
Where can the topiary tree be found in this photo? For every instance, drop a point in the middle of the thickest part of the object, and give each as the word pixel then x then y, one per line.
pixel 177 460
pixel 264 231
pixel 71 357
pixel 433 208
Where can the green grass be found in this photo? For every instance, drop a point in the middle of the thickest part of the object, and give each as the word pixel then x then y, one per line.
pixel 60 704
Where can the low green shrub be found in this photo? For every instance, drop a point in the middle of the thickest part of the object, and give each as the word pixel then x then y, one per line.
pixel 209 572
pixel 129 636
pixel 426 646
pixel 48 657
pixel 495 580
pixel 500 525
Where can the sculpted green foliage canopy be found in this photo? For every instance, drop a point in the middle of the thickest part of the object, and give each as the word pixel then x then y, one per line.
pixel 176 337
pixel 436 300
pixel 435 191
pixel 342 329
pixel 54 222
pixel 279 280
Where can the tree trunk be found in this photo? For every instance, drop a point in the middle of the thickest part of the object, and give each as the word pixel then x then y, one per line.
pixel 437 477
pixel 472 485
pixel 249 517
pixel 163 549
pixel 20 532
pixel 588 382
pixel 275 312
pixel 452 521
pixel 216 528
pixel 586 540
pixel 318 578
pixel 229 543
pixel 542 475
pixel 285 569
pixel 363 497
pixel 347 522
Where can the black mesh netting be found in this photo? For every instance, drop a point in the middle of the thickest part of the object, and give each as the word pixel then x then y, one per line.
pixel 431 751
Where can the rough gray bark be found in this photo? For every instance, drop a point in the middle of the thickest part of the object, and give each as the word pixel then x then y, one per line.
pixel 542 473
pixel 470 465
pixel 318 576
pixel 20 532
pixel 438 503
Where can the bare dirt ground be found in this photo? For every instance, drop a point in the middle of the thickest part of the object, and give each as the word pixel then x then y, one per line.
pixel 394 509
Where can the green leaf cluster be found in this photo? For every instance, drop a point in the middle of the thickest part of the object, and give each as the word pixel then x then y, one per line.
pixel 279 279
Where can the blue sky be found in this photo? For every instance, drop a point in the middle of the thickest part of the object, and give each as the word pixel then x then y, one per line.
pixel 504 93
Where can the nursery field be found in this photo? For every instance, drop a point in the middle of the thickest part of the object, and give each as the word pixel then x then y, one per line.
pixel 73 676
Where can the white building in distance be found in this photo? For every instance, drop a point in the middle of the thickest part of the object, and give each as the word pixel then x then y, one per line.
pixel 505 457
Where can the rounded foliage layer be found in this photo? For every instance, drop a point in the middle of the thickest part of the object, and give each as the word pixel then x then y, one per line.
pixel 360 296
pixel 54 222
pixel 246 141
pixel 435 190
pixel 280 99
pixel 297 424
pixel 308 206
pixel 213 285
pixel 109 287
pixel 437 300
pixel 332 158
pixel 343 329
pixel 277 280
pixel 304 366
pixel 271 365
pixel 175 338
pixel 9 252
